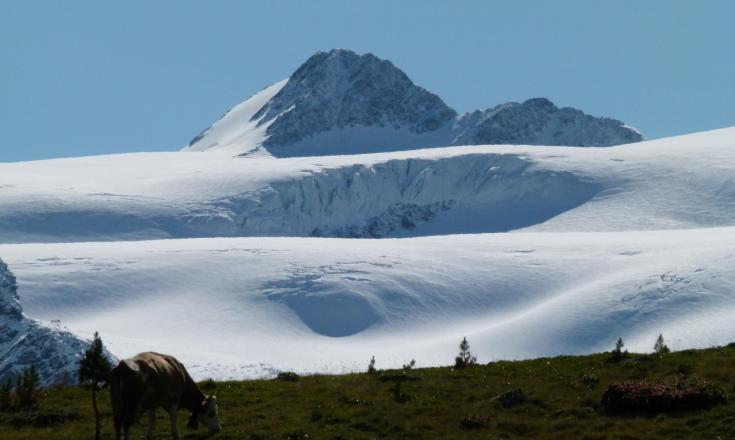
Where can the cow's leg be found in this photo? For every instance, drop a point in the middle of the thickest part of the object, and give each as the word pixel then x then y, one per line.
pixel 118 424
pixel 174 429
pixel 151 423
pixel 126 430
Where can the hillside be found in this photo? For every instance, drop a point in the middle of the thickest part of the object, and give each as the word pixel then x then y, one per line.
pixel 562 400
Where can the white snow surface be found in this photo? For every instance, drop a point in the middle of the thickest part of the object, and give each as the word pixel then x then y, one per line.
pixel 674 183
pixel 247 307
pixel 628 241
pixel 235 133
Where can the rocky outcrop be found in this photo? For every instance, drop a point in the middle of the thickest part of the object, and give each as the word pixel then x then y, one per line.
pixel 53 350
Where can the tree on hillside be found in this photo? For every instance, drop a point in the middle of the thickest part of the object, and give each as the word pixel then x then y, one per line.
pixel 26 388
pixel 94 374
pixel 6 395
pixel 465 358
pixel 618 353
pixel 660 346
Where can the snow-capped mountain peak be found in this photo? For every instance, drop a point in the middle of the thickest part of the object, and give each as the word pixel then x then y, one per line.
pixel 340 90
pixel 340 102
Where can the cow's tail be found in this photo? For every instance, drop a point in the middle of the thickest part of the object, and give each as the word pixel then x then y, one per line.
pixel 126 394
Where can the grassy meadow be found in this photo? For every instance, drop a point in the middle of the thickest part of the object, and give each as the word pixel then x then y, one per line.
pixel 562 400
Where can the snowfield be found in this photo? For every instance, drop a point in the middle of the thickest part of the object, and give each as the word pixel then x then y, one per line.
pixel 682 182
pixel 226 262
pixel 246 307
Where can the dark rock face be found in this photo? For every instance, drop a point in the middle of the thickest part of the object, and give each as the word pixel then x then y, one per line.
pixel 340 89
pixel 539 122
pixel 9 303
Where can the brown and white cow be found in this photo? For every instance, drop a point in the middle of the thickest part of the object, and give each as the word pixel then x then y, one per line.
pixel 150 380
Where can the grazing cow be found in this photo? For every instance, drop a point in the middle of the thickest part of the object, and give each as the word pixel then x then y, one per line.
pixel 151 380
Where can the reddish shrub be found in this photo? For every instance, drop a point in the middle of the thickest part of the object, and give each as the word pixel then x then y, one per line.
pixel 677 394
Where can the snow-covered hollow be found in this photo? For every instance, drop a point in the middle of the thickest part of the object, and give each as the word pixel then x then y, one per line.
pixel 467 192
pixel 244 307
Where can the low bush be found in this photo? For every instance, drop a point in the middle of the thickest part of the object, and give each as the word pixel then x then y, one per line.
pixel 512 398
pixel 208 384
pixel 474 422
pixel 288 376
pixel 676 394
pixel 41 419
pixel 590 381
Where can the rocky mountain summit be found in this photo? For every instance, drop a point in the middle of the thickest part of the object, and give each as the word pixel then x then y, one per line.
pixel 538 121
pixel 25 342
pixel 339 102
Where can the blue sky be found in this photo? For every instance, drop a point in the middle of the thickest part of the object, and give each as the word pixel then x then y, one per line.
pixel 91 77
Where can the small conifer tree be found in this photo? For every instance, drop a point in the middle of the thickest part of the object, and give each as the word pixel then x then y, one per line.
pixel 94 374
pixel 660 346
pixel 618 353
pixel 465 358
pixel 26 388
pixel 371 366
pixel 6 395
pixel 409 366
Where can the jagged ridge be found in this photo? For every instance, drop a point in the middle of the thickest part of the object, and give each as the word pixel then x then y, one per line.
pixel 339 102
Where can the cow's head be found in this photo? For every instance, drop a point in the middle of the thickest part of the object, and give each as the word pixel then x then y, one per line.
pixel 208 415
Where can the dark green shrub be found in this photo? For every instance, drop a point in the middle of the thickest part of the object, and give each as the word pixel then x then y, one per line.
pixel 26 389
pixel 589 380
pixel 288 376
pixel 6 396
pixel 42 419
pixel 474 422
pixel 512 398
pixel 209 384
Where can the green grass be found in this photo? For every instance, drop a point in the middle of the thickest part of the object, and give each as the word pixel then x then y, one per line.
pixel 563 396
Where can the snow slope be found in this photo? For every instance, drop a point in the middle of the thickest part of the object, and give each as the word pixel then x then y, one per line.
pixel 24 342
pixel 632 241
pixel 339 102
pixel 237 128
pixel 682 182
pixel 245 307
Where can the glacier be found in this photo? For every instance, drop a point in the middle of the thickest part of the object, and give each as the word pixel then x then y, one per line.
pixel 450 190
pixel 244 266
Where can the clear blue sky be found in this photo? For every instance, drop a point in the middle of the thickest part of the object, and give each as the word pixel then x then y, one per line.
pixel 92 77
